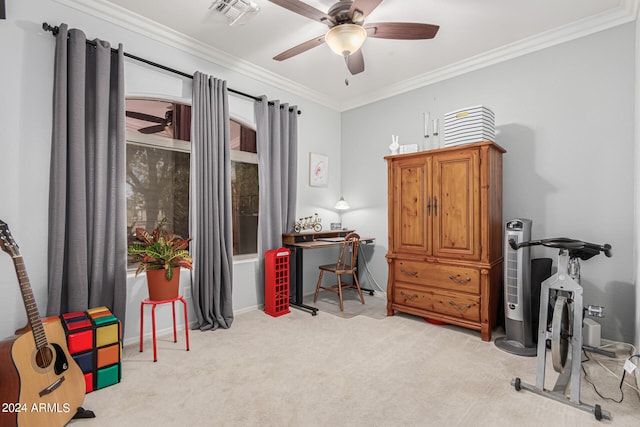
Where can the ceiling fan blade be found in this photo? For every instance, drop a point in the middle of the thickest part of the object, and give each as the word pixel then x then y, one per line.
pixel 302 47
pixel 362 9
pixel 305 10
pixel 145 117
pixel 355 62
pixel 151 129
pixel 401 30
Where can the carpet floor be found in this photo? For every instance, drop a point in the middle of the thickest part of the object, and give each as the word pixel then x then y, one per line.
pixel 338 369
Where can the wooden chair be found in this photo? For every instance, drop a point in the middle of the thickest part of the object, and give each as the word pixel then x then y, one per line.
pixel 347 264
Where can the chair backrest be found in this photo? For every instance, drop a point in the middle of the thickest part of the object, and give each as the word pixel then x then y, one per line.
pixel 348 258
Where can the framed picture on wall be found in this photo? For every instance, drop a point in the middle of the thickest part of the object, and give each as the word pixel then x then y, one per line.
pixel 318 170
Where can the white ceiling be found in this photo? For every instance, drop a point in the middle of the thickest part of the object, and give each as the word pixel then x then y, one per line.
pixel 472 33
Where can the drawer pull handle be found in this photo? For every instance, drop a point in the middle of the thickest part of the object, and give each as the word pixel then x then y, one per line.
pixel 409 273
pixel 408 297
pixel 459 307
pixel 452 277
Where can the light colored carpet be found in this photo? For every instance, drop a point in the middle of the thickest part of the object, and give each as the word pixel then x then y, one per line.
pixel 325 370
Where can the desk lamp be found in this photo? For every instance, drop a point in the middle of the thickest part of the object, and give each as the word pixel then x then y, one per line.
pixel 340 206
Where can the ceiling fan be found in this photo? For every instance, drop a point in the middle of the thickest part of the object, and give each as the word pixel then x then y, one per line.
pixel 347 30
pixel 164 122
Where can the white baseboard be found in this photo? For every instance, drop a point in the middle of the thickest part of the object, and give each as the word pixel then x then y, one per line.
pixel 135 340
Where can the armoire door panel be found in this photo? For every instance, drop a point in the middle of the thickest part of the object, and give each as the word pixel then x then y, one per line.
pixel 411 206
pixel 456 194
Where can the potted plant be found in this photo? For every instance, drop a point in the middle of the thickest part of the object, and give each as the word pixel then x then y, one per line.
pixel 161 254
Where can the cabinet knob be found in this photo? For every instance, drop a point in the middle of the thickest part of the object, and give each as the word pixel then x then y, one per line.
pixel 456 280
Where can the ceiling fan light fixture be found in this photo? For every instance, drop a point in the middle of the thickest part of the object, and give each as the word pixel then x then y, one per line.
pixel 344 39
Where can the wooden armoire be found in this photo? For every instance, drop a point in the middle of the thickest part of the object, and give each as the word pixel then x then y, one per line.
pixel 445 235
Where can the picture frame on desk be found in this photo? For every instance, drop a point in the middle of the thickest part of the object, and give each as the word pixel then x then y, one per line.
pixel 318 170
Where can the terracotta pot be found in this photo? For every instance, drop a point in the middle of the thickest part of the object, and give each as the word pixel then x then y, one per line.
pixel 161 289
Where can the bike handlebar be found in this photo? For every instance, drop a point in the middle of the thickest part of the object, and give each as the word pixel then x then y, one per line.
pixel 578 248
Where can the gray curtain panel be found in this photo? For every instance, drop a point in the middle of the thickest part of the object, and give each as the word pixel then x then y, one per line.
pixel 87 204
pixel 210 215
pixel 277 143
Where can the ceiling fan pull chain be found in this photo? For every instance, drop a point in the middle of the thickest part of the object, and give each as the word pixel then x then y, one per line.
pixel 346 62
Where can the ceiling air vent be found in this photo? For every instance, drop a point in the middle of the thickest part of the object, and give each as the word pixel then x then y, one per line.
pixel 236 11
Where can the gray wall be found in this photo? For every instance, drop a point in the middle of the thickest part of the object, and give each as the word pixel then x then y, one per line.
pixel 565 115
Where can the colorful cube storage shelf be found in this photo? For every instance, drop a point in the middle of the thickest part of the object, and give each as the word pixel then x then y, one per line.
pixel 94 339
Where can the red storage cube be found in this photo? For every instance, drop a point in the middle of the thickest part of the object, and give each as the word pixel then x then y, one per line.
pixel 76 324
pixel 80 341
pixel 88 379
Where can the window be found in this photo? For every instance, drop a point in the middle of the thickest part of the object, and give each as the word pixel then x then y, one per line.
pixel 158 134
pixel 244 189
pixel 158 162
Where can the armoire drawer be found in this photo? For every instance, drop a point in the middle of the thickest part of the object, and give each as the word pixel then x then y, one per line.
pixel 450 277
pixel 462 306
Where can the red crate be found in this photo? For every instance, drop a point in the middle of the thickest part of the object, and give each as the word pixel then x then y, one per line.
pixel 80 341
pixel 88 381
pixel 276 281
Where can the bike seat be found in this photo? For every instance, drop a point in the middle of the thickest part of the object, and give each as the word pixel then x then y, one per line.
pixel 576 248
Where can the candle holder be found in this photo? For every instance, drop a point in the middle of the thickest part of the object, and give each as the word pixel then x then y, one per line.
pixel 435 141
pixel 425 132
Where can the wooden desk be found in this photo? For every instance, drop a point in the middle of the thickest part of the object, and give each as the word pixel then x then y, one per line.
pixel 297 242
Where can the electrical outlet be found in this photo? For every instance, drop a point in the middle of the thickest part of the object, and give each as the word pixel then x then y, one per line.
pixel 186 292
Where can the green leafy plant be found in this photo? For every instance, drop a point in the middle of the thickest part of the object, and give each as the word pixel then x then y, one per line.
pixel 160 249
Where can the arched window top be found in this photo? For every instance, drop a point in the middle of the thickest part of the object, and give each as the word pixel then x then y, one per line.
pixel 159 118
pixel 158 170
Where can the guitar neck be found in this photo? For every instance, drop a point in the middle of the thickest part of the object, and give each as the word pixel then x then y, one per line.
pixel 30 303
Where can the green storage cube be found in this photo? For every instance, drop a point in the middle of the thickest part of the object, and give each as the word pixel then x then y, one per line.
pixel 108 376
pixel 104 320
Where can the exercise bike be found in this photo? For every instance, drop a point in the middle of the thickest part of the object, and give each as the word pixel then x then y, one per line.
pixel 561 299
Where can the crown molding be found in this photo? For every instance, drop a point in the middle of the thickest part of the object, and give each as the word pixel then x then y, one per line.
pixel 139 24
pixel 102 9
pixel 632 6
pixel 627 12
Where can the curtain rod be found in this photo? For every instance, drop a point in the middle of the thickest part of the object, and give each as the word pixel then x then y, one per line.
pixel 54 31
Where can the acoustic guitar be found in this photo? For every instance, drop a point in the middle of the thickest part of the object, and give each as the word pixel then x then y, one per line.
pixel 40 383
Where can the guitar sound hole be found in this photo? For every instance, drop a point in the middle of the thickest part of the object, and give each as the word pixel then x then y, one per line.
pixel 44 356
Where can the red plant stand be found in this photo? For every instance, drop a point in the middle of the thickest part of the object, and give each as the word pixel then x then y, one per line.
pixel 153 304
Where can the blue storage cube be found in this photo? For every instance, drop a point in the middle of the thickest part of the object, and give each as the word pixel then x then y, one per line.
pixel 85 361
